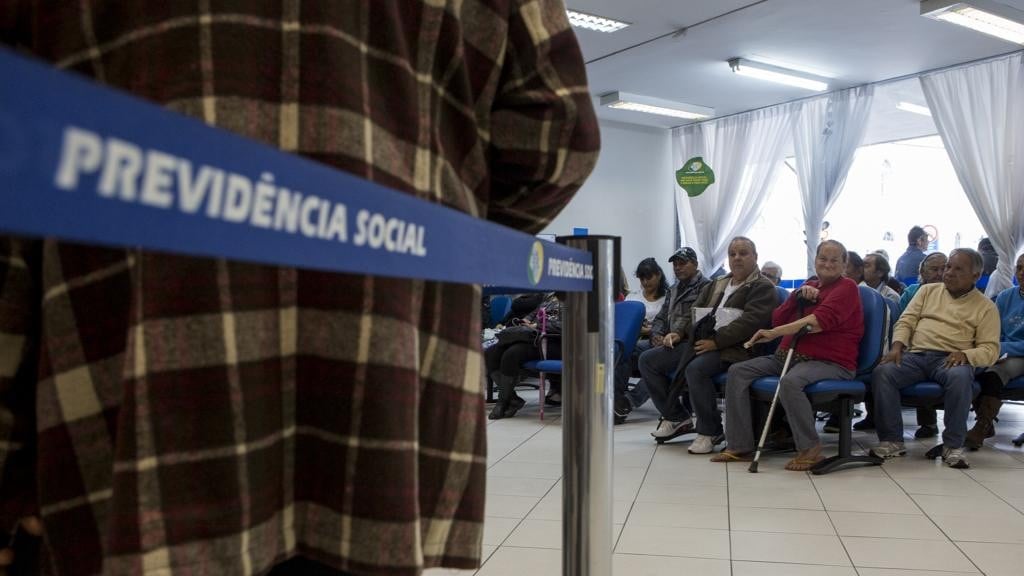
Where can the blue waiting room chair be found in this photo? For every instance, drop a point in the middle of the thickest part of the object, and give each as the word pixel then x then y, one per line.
pixel 629 316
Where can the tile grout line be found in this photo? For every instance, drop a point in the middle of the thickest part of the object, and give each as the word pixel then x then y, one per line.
pixel 932 520
pixel 632 504
pixel 532 508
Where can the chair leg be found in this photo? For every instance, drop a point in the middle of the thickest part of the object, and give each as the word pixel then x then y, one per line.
pixel 540 389
pixel 845 455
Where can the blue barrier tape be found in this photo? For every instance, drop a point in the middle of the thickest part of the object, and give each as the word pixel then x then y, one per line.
pixel 85 163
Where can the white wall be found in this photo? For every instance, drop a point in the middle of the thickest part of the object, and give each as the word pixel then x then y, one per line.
pixel 629 194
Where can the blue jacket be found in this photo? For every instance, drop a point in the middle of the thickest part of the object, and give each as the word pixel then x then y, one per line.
pixel 1010 304
pixel 909 264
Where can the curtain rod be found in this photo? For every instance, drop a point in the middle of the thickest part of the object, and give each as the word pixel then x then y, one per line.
pixel 878 83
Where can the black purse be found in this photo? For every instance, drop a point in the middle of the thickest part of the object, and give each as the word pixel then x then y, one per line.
pixel 514 334
pixel 704 329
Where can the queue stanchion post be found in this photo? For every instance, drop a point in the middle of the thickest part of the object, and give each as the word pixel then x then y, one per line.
pixel 588 357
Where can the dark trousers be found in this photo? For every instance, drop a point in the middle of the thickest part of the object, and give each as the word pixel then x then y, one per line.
pixel 509 358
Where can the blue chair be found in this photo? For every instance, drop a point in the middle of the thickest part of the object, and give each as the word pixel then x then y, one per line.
pixel 500 307
pixel 783 294
pixel 629 316
pixel 826 393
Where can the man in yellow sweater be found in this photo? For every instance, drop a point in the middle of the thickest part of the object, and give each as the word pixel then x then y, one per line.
pixel 947 331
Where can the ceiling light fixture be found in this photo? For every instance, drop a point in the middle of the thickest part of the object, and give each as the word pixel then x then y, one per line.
pixel 985 16
pixel 637 103
pixel 592 22
pixel 778 74
pixel 915 108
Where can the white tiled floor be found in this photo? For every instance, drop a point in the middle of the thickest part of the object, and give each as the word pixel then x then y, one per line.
pixel 675 513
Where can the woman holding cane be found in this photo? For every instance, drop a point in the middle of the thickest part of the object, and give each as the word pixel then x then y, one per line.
pixel 830 305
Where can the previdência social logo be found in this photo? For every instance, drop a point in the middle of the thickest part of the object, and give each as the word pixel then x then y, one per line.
pixel 536 264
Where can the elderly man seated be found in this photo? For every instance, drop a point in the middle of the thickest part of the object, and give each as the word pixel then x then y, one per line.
pixel 1010 303
pixel 947 331
pixel 750 298
pixel 830 306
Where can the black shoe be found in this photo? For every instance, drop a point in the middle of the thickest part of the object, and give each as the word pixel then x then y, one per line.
pixel 831 425
pixel 927 431
pixel 868 423
pixel 621 408
pixel 506 409
pixel 553 399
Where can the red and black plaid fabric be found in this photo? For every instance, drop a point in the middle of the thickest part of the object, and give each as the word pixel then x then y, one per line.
pixel 173 415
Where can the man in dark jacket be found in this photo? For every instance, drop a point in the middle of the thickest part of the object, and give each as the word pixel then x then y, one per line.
pixel 672 322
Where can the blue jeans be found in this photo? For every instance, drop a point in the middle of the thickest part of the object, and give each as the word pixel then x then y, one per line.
pixel 638 395
pixel 703 397
pixel 957 383
pixel 656 365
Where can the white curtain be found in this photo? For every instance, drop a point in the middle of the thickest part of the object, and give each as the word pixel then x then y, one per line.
pixel 745 152
pixel 979 113
pixel 826 135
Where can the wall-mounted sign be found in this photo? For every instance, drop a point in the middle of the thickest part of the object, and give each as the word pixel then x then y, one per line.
pixel 695 176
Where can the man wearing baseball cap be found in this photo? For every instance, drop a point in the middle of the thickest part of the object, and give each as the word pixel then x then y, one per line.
pixel 669 327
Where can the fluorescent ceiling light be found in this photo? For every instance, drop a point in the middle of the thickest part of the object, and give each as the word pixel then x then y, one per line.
pixel 985 16
pixel 777 74
pixel 915 108
pixel 592 22
pixel 637 103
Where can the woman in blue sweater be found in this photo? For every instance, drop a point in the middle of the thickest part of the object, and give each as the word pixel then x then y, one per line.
pixel 1010 303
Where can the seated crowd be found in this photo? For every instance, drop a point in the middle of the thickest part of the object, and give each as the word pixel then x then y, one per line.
pixel 947 331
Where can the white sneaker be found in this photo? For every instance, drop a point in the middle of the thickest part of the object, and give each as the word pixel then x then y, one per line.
pixel 954 458
pixel 669 429
pixel 888 450
pixel 704 444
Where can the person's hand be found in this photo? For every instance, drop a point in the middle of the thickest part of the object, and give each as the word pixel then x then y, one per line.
pixel 657 340
pixel 530 325
pixel 645 330
pixel 957 358
pixel 702 346
pixel 895 355
pixel 670 340
pixel 31 526
pixel 809 293
pixel 762 335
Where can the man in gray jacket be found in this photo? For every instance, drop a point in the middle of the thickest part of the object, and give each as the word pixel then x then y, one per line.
pixel 671 322
pixel 670 327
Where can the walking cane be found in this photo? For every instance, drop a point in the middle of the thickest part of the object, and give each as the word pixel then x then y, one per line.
pixel 775 398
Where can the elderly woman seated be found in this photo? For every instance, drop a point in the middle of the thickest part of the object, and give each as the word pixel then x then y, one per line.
pixel 830 305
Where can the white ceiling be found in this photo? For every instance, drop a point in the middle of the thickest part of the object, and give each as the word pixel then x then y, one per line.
pixel 853 41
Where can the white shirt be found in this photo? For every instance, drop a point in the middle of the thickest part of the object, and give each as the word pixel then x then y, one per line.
pixel 885 291
pixel 729 289
pixel 651 307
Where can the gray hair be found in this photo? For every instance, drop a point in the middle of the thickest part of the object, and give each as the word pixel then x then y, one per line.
pixel 770 264
pixel 977 262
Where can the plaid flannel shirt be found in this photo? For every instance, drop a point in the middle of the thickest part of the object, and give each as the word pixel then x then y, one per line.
pixel 179 415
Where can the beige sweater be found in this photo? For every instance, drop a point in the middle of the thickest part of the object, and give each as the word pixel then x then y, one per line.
pixel 934 320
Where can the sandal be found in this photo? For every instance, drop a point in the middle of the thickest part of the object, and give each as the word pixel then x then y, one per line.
pixel 730 456
pixel 805 459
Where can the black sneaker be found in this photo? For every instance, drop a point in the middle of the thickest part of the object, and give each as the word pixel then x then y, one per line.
pixel 927 431
pixel 621 408
pixel 831 425
pixel 868 423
